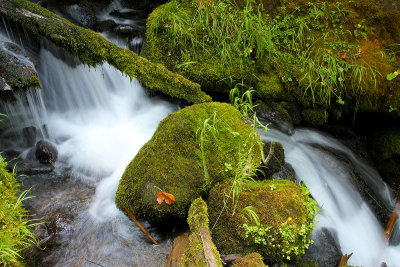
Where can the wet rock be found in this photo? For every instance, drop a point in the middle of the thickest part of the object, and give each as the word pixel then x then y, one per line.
pixel 30 167
pixel 230 258
pixel 29 135
pixel 10 154
pixel 325 251
pixel 116 13
pixel 46 152
pixel 274 114
pixel 17 71
pixel 179 246
pixel 106 25
pixel 83 13
pixel 274 158
pixel 250 260
pixel 286 173
pixel 124 29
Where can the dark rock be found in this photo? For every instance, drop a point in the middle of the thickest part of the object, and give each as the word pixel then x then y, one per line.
pixel 286 173
pixel 29 135
pixel 30 167
pixel 46 152
pixel 106 25
pixel 116 13
pixel 124 29
pixel 274 114
pixel 17 71
pixel 230 258
pixel 10 154
pixel 325 251
pixel 274 158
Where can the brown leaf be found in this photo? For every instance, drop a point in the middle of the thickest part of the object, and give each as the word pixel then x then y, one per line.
pixel 168 198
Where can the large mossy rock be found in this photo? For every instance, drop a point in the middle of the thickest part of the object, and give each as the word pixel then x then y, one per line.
pixel 285 213
pixel 173 160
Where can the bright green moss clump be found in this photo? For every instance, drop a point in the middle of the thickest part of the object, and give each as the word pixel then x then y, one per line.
pixel 285 213
pixel 187 154
pixel 93 49
pixel 15 228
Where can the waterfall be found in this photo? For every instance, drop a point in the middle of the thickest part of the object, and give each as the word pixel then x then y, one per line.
pixel 342 207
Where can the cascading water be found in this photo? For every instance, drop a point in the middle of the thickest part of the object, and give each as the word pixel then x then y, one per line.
pixel 99 119
pixel 343 210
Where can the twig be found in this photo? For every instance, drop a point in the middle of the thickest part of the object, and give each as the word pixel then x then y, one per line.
pixel 141 227
pixel 344 259
pixel 94 263
pixel 392 219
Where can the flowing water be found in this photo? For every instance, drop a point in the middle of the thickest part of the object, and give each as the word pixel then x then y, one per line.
pixel 323 164
pixel 99 119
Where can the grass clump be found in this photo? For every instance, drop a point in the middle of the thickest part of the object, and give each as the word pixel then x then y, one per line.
pixel 16 229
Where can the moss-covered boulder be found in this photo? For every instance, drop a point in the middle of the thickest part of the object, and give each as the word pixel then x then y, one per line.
pixel 17 71
pixel 190 151
pixel 201 251
pixel 285 214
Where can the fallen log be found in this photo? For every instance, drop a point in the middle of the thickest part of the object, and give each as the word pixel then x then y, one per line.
pixel 392 219
pixel 141 227
pixel 94 49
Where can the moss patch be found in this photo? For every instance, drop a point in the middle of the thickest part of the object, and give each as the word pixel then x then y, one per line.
pixel 250 260
pixel 282 207
pixel 176 161
pixel 93 49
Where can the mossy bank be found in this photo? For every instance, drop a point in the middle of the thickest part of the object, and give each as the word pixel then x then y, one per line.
pixel 325 54
pixel 191 150
pixel 93 49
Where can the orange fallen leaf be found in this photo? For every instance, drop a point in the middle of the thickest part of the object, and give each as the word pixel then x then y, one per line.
pixel 168 198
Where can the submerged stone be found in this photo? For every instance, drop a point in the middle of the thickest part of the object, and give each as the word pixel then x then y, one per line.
pixel 191 150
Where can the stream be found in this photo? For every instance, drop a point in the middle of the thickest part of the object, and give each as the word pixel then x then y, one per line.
pixel 99 120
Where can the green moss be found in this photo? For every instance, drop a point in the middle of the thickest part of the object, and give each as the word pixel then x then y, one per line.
pixel 315 117
pixel 384 144
pixel 282 207
pixel 93 49
pixel 15 234
pixel 194 255
pixel 172 161
pixel 269 87
pixel 250 260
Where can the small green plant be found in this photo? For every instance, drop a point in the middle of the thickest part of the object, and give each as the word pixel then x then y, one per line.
pixel 392 75
pixel 16 229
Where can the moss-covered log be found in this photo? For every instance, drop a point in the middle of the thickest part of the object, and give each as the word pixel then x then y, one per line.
pixel 93 49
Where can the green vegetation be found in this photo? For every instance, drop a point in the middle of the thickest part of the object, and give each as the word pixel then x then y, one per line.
pixel 175 157
pixel 280 228
pixel 93 49
pixel 253 259
pixel 16 229
pixel 195 254
pixel 320 51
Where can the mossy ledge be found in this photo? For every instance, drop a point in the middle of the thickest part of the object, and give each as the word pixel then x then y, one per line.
pixel 93 49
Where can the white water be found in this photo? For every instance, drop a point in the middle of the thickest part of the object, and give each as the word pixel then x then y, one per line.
pixel 343 209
